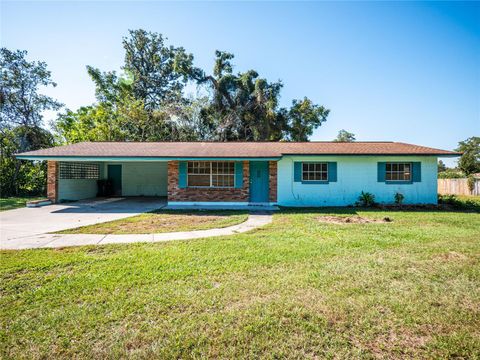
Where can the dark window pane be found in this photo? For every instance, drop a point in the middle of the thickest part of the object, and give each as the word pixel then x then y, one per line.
pixel 199 180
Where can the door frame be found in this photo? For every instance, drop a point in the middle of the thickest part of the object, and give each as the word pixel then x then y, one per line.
pixel 252 178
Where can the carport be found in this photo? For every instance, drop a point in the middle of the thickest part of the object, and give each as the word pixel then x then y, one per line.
pixel 77 180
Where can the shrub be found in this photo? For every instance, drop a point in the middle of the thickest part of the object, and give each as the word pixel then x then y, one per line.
pixel 366 199
pixel 460 203
pixel 399 198
pixel 451 174
pixel 471 183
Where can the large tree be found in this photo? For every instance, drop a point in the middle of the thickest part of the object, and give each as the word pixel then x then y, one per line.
pixel 245 106
pixel 148 102
pixel 21 114
pixel 469 162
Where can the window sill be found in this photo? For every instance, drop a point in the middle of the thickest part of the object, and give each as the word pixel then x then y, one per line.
pixel 210 188
pixel 315 182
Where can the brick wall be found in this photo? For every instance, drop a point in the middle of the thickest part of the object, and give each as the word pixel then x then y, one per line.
pixel 198 194
pixel 272 180
pixel 52 181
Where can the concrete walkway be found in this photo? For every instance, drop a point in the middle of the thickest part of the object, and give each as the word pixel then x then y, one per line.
pixel 254 220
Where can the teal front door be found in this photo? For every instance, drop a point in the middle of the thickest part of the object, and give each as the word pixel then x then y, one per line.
pixel 258 181
pixel 115 176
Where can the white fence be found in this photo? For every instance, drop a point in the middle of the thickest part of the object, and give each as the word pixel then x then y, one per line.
pixel 457 187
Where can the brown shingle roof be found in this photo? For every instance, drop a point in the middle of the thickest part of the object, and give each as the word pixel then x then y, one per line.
pixel 232 149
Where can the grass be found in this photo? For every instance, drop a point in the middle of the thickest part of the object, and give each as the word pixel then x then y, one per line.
pixel 15 202
pixel 164 221
pixel 296 288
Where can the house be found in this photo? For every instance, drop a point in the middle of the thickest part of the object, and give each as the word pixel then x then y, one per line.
pixel 241 173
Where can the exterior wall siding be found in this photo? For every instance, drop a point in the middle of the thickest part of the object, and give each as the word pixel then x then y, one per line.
pixel 144 179
pixel 176 194
pixel 355 174
pixel 78 189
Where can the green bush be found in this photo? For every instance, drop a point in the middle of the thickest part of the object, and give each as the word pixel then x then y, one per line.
pixel 399 198
pixel 460 203
pixel 366 199
pixel 451 174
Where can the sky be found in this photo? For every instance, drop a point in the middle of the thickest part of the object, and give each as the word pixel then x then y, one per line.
pixel 397 71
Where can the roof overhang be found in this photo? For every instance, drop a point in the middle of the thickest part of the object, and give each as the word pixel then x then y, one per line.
pixel 377 154
pixel 137 158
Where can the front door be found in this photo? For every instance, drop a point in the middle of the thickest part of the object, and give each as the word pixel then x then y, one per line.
pixel 115 176
pixel 258 181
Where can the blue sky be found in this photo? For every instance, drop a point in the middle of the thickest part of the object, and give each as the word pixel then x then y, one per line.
pixel 388 71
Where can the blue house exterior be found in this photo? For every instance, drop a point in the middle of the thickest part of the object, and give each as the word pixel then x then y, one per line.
pixel 350 175
pixel 233 173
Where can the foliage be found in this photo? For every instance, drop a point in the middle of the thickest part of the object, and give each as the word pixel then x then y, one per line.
pixel 345 136
pixel 451 174
pixel 21 108
pixel 20 102
pixel 15 202
pixel 19 176
pixel 471 182
pixel 245 106
pixel 399 197
pixel 441 166
pixel 470 203
pixel 366 199
pixel 469 162
pixel 243 296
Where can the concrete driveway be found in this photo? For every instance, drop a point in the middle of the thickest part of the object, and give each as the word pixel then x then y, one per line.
pixel 26 222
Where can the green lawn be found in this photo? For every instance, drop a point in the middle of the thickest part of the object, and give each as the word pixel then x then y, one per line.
pixel 15 202
pixel 164 221
pixel 296 288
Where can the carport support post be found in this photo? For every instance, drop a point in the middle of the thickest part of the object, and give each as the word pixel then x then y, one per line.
pixel 52 181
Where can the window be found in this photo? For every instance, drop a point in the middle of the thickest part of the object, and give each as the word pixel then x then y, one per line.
pixel 211 174
pixel 314 172
pixel 72 170
pixel 398 172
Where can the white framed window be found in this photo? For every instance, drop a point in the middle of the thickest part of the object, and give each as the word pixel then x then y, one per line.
pixel 219 174
pixel 398 171
pixel 317 171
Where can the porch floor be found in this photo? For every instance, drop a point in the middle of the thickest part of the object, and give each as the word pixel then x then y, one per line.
pixel 249 208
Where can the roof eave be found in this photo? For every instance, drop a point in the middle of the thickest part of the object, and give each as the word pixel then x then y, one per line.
pixel 141 158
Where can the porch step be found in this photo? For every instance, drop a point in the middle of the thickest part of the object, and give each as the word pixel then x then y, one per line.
pixel 38 203
pixel 250 208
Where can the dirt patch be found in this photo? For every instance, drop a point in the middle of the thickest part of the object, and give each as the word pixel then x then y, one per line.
pixel 452 256
pixel 351 219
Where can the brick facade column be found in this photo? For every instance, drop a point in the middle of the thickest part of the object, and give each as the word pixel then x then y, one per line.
pixel 52 181
pixel 272 179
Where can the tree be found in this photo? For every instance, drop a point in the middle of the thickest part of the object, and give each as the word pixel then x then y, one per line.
pixel 148 103
pixel 22 177
pixel 245 106
pixel 469 162
pixel 303 118
pixel 21 108
pixel 345 136
pixel 441 166
pixel 152 64
pixel 21 104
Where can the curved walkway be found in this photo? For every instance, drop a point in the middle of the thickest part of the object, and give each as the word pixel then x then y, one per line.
pixel 254 221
